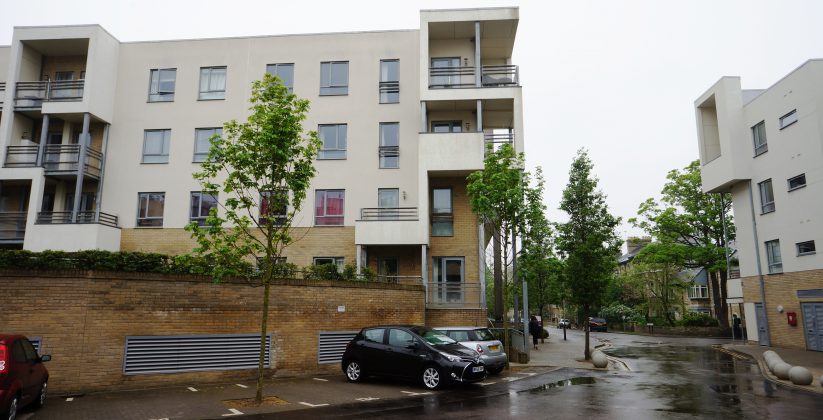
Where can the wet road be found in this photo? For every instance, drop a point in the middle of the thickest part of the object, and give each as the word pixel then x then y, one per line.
pixel 670 378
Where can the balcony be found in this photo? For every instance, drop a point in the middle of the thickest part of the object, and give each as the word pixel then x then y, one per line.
pixel 449 294
pixel 451 153
pixel 58 159
pixel 389 226
pixel 465 77
pixel 12 227
pixel 2 94
pixel 31 95
pixel 21 157
pixel 83 218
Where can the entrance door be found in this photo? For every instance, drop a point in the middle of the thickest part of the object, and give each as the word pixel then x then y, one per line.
pixel 452 281
pixel 387 269
pixel 445 72
pixel 388 199
pixel 761 324
pixel 813 324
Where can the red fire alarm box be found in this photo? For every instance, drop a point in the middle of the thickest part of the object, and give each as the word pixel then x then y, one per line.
pixel 792 317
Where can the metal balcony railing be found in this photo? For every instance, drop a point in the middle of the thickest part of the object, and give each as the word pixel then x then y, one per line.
pixel 62 158
pixel 12 226
pixel 83 218
pixel 452 294
pixel 2 94
pixel 411 280
pixel 31 95
pixel 21 156
pixel 493 141
pixel 389 92
pixel 464 76
pixel 388 213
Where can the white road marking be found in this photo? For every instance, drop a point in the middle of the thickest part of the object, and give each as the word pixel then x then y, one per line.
pixel 320 379
pixel 414 394
pixel 242 386
pixel 510 379
pixel 234 412
pixel 70 399
pixel 192 389
pixel 486 383
pixel 368 399
pixel 312 405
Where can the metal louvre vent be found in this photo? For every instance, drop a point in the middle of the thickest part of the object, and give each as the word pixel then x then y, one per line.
pixel 185 353
pixel 332 344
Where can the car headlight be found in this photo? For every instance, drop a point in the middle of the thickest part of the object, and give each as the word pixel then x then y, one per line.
pixel 450 357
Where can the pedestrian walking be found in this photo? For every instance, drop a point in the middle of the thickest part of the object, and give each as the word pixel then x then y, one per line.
pixel 534 330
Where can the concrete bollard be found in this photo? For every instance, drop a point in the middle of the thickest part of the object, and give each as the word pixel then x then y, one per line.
pixel 773 360
pixel 800 376
pixel 781 370
pixel 821 380
pixel 599 359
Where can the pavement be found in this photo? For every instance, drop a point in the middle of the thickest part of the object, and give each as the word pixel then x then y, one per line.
pixel 557 352
pixel 812 360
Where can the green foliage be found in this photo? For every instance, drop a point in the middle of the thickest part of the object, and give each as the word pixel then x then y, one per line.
pixel 322 272
pixel 698 319
pixel 618 312
pixel 132 262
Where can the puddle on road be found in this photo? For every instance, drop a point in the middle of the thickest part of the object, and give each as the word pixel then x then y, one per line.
pixel 582 380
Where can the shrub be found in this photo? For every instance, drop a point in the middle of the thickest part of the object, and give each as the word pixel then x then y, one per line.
pixel 321 272
pixel 698 319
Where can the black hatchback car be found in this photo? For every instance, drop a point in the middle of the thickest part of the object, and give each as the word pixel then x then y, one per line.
pixel 411 352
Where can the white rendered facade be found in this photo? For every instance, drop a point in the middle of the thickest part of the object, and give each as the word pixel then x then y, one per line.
pixel 765 147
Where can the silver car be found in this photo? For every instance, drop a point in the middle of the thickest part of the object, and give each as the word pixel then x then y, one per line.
pixel 482 341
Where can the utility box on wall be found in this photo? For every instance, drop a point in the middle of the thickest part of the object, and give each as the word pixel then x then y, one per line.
pixel 792 318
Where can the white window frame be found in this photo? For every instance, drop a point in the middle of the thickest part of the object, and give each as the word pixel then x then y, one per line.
pixel 166 145
pixel 773 256
pixel 761 144
pixel 699 291
pixel 389 89
pixel 212 93
pixel 279 219
pixel 381 151
pixel 339 262
pixel 274 70
pixel 327 86
pixel 337 152
pixel 788 119
pixel 200 155
pixel 148 197
pixel 326 215
pixel 200 218
pixel 766 188
pixel 155 93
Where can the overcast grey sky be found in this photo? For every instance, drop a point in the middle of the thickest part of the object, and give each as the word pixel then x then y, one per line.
pixel 616 77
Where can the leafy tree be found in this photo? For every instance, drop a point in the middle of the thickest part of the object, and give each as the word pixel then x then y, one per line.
pixel 658 268
pixel 691 222
pixel 270 154
pixel 588 241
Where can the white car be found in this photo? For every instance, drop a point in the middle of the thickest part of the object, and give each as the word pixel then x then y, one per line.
pixel 482 341
pixel 564 323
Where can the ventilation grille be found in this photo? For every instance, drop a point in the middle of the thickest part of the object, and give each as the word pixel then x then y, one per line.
pixel 185 353
pixel 332 344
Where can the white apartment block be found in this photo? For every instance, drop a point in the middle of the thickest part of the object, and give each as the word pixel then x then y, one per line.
pixel 765 147
pixel 100 138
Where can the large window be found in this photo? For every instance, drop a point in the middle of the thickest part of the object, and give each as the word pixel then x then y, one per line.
pixel 201 204
pixel 212 83
pixel 773 256
pixel 334 78
pixel 759 138
pixel 150 209
pixel 448 277
pixel 336 261
pixel 202 143
pixel 699 291
pixel 285 71
pixel 161 85
pixel 766 196
pixel 388 200
pixel 788 119
pixel 274 206
pixel 797 182
pixel 447 127
pixel 156 146
pixel 389 81
pixel 334 140
pixel 329 206
pixel 805 248
pixel 389 145
pixel 442 216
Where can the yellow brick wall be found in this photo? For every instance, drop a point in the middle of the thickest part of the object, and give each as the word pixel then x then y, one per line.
pixel 781 289
pixel 456 317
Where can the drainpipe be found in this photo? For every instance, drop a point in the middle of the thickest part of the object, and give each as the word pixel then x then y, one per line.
pixel 477 69
pixel 759 268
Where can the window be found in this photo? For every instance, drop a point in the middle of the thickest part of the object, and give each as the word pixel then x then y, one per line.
pixel 448 277
pixel 334 78
pixel 699 291
pixel 285 71
pixel 400 338
pixel 150 209
pixel 805 248
pixel 333 137
pixel 201 205
pixel 389 145
pixel 156 146
pixel 87 201
pixel 797 182
pixel 445 72
pixel 766 197
pixel 389 81
pixel 202 142
pixel 759 137
pixel 773 256
pixel 336 261
pixel 447 127
pixel 328 207
pixel 374 335
pixel 442 217
pixel 161 85
pixel 388 200
pixel 212 83
pixel 64 75
pixel 274 206
pixel 788 119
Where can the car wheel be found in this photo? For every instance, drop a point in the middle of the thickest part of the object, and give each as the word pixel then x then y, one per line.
pixel 12 413
pixel 41 399
pixel 431 378
pixel 354 372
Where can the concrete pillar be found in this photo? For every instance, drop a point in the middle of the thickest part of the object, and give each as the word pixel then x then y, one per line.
pixel 479 115
pixel 423 118
pixel 81 163
pixel 44 137
pixel 99 195
pixel 424 270
pixel 477 68
pixel 358 253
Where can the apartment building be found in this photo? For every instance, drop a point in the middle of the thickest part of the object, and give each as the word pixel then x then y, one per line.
pixel 100 138
pixel 765 147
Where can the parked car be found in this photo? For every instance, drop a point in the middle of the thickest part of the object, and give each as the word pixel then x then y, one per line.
pixel 23 378
pixel 597 324
pixel 483 342
pixel 564 323
pixel 411 352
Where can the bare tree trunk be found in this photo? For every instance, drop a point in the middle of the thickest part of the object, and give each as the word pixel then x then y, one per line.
pixel 498 276
pixel 718 303
pixel 258 397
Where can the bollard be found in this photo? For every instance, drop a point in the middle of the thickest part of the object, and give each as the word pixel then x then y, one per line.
pixel 599 359
pixel 564 332
pixel 651 328
pixel 800 376
pixel 781 370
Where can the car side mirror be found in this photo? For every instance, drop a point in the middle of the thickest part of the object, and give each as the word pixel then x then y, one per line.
pixel 413 345
pixel 45 358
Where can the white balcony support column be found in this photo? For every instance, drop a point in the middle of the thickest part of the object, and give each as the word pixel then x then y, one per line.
pixel 477 68
pixel 81 164
pixel 99 195
pixel 44 137
pixel 358 253
pixel 423 117
pixel 424 271
pixel 481 254
pixel 480 115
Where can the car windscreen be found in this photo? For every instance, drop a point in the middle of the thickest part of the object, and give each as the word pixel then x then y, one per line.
pixel 484 334
pixel 433 337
